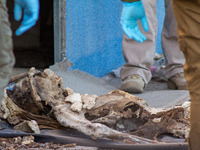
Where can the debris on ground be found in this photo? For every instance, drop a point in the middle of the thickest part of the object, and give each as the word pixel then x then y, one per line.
pixel 40 96
pixel 27 143
pixel 28 126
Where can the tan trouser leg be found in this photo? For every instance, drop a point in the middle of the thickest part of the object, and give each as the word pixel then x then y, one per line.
pixel 139 56
pixel 174 57
pixel 6 54
pixel 187 13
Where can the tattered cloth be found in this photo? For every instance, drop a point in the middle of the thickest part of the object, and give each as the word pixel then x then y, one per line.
pixel 39 100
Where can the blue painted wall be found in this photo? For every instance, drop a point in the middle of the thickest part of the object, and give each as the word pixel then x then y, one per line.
pixel 160 21
pixel 94 35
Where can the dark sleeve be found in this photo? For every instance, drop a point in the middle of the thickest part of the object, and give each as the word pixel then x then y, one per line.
pixel 130 1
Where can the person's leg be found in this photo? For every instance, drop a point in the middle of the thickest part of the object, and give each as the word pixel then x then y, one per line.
pixel 187 13
pixel 139 56
pixel 174 57
pixel 6 54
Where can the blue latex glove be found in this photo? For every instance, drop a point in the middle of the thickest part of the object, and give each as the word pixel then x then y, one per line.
pixel 29 9
pixel 131 13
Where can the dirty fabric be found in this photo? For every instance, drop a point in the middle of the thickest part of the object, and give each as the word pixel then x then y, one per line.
pixel 118 115
pixel 40 96
pixel 6 53
pixel 188 16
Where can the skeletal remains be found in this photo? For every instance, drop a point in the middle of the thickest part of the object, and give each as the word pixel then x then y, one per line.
pixel 40 97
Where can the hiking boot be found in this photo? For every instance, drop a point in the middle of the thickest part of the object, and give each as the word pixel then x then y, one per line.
pixel 133 84
pixel 177 82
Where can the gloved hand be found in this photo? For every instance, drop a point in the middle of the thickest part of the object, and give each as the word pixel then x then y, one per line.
pixel 30 10
pixel 131 13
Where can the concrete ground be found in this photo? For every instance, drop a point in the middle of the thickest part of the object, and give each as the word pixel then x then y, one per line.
pixel 156 94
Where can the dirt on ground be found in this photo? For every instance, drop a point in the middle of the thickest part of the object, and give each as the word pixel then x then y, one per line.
pixel 28 143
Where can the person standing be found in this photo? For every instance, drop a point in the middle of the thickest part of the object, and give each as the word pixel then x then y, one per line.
pixel 187 13
pixel 136 73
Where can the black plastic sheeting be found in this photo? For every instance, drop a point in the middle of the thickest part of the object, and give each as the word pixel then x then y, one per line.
pixel 69 136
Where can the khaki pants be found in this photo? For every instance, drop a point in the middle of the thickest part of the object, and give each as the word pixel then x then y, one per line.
pixel 139 56
pixel 187 13
pixel 6 54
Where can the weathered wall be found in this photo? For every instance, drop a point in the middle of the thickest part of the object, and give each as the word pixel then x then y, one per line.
pixel 94 35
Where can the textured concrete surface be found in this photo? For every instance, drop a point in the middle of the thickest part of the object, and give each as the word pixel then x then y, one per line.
pixel 84 83
pixel 164 98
